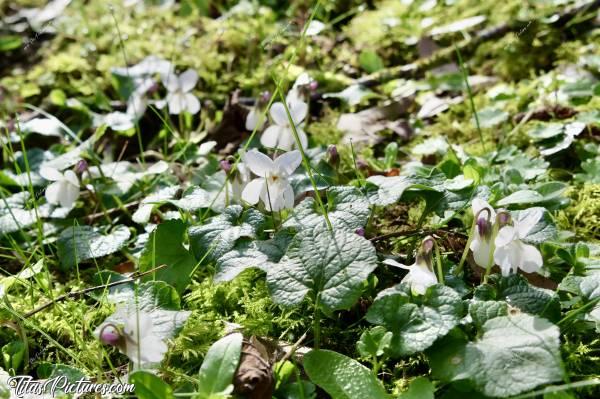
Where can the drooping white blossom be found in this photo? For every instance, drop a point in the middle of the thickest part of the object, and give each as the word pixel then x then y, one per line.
pixel 511 252
pixel 420 274
pixel 300 89
pixel 481 244
pixel 271 186
pixel 136 337
pixel 140 344
pixel 64 190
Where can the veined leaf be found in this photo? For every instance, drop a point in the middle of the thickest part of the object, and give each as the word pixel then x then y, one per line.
pixel 416 322
pixel 342 377
pixel 220 234
pixel 514 354
pixel 331 265
pixel 80 243
pixel 347 208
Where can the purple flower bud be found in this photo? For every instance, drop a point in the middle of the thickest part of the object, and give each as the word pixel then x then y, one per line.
pixel 225 165
pixel 360 231
pixel 313 85
pixel 484 227
pixel 109 335
pixel 334 156
pixel 81 166
pixel 332 150
pixel 265 96
pixel 503 218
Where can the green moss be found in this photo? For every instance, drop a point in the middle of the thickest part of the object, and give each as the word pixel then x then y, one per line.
pixel 192 342
pixel 63 330
pixel 583 214
pixel 245 301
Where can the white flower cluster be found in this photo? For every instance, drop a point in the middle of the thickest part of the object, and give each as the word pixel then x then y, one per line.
pixel 496 240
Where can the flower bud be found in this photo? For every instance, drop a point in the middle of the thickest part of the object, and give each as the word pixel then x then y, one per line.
pixel 265 96
pixel 10 124
pixel 81 166
pixel 225 165
pixel 109 335
pixel 425 252
pixel 484 227
pixel 360 231
pixel 503 218
pixel 427 244
pixel 333 155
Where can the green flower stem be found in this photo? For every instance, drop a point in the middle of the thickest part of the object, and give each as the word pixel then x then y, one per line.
pixel 465 253
pixel 376 366
pixel 317 324
pixel 304 158
pixel 438 261
pixel 359 175
pixel 124 53
pixel 470 94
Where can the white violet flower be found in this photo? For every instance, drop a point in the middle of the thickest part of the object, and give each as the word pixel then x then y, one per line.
pixel 420 274
pixel 481 244
pixel 141 345
pixel 511 252
pixel 136 339
pixel 272 185
pixel 179 97
pixel 280 134
pixel 64 190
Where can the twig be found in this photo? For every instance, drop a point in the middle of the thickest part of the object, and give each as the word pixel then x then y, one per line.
pixel 94 216
pixel 77 294
pixel 397 234
pixel 413 232
pixel 293 348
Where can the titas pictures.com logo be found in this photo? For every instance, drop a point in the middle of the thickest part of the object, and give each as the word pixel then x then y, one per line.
pixel 24 385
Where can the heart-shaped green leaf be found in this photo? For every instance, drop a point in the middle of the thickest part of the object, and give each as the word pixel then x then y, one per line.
pixel 80 243
pixel 219 235
pixel 331 265
pixel 347 208
pixel 416 322
pixel 164 247
pixel 514 354
pixel 247 254
pixel 149 386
